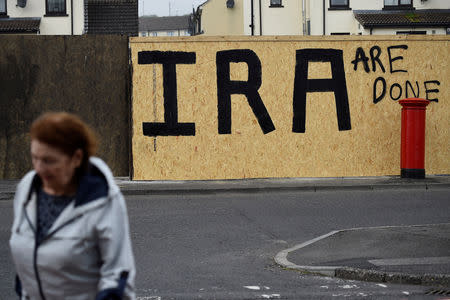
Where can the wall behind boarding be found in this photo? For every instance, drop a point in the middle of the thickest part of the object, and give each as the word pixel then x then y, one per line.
pixel 86 75
pixel 219 20
pixel 243 107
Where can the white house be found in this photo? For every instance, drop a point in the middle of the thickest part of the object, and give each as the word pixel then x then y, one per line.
pixel 250 17
pixel 377 17
pixel 322 17
pixel 68 17
pixel 42 16
pixel 165 26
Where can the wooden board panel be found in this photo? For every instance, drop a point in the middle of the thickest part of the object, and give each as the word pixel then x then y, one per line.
pixel 362 140
pixel 87 75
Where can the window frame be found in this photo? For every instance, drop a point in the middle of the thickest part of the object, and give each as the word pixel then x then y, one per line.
pixel 398 5
pixel 5 13
pixel 56 14
pixel 276 5
pixel 412 32
pixel 339 6
pixel 340 33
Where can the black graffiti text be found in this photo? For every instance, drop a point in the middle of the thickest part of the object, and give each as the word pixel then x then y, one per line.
pixel 409 89
pixel 169 60
pixel 395 91
pixel 250 89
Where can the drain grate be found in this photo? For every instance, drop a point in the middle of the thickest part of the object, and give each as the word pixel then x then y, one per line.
pixel 440 292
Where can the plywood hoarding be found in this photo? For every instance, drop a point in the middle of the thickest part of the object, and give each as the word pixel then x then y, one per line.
pixel 258 107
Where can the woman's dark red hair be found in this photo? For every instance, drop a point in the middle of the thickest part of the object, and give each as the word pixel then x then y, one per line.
pixel 66 132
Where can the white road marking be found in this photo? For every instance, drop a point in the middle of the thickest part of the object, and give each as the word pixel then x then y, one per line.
pixel 281 257
pixel 382 285
pixel 347 286
pixel 405 293
pixel 252 287
pixel 341 295
pixel 411 261
pixel 362 295
pixel 272 296
pixel 149 298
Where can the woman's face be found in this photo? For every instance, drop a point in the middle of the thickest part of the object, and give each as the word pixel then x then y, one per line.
pixel 55 168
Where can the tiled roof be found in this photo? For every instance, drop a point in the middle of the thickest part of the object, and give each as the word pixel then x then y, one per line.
pixel 19 25
pixel 111 17
pixel 401 18
pixel 164 23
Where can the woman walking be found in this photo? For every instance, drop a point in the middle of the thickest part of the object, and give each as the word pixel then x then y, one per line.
pixel 70 236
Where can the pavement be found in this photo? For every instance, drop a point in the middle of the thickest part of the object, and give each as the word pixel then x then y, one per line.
pixel 155 187
pixel 396 254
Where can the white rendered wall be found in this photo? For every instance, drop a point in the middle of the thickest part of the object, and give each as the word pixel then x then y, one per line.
pixel 286 20
pixel 78 16
pixel 181 32
pixel 217 19
pixel 432 4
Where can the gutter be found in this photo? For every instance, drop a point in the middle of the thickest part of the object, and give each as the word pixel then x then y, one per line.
pixel 260 18
pixel 304 16
pixel 412 25
pixel 71 16
pixel 324 31
pixel 252 23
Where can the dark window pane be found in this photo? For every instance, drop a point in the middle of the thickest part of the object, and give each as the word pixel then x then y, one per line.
pixel 275 2
pixel 2 6
pixel 56 6
pixel 339 2
pixel 391 2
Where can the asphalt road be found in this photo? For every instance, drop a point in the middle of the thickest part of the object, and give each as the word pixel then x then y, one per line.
pixel 221 246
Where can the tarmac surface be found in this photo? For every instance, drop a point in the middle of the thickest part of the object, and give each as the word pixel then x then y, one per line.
pixel 401 254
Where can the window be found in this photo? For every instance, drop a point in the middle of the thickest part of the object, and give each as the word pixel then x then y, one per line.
pixel 275 3
pixel 398 4
pixel 2 7
pixel 339 4
pixel 55 7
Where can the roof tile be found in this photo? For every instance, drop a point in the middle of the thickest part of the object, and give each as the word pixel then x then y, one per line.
pixel 164 23
pixel 112 17
pixel 19 25
pixel 413 18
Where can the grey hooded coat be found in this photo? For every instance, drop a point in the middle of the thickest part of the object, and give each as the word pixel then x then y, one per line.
pixel 86 254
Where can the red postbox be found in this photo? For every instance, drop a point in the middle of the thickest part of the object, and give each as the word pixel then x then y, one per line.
pixel 413 137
